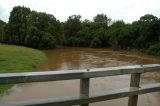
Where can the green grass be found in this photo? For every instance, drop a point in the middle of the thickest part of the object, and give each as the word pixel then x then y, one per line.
pixel 18 59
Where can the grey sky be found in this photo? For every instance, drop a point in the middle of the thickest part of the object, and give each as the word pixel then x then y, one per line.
pixel 128 10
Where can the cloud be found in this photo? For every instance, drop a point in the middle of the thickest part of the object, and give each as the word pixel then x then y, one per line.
pixel 128 10
pixel 3 12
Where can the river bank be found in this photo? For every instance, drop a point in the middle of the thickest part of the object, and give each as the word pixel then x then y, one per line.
pixel 18 59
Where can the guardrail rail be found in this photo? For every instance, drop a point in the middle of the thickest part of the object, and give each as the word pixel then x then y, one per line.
pixel 85 98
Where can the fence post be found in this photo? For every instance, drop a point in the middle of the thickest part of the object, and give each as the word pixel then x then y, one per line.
pixel 134 82
pixel 84 89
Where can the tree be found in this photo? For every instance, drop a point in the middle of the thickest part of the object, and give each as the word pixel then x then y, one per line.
pixel 154 49
pixel 33 29
pixel 148 18
pixel 121 35
pixel 18 25
pixel 71 28
pixel 96 42
pixel 40 39
pixel 47 23
pixel 72 25
pixel 43 31
pixel 101 20
pixel 2 26
pixel 148 31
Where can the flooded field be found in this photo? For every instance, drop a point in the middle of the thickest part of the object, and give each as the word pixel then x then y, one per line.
pixel 84 58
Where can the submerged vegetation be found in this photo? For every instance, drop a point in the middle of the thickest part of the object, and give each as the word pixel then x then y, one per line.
pixel 18 59
pixel 43 31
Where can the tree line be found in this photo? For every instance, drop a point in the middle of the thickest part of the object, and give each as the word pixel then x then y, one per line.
pixel 43 31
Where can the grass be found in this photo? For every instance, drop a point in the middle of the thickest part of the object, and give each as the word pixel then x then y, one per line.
pixel 18 59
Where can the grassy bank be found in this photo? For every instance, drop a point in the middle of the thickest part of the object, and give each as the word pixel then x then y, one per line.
pixel 18 59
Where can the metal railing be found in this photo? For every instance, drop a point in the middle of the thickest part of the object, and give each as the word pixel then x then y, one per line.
pixel 84 75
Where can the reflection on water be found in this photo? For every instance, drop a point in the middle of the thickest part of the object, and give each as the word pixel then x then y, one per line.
pixel 83 58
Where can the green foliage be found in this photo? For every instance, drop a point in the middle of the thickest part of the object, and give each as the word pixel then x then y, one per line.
pixel 121 36
pixel 154 49
pixel 2 26
pixel 72 25
pixel 43 31
pixel 96 42
pixel 101 20
pixel 148 18
pixel 33 29
pixel 39 39
pixel 18 25
pixel 149 33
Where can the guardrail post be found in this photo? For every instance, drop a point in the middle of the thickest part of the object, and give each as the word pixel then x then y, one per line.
pixel 134 82
pixel 84 89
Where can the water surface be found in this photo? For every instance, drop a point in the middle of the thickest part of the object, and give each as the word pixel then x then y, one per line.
pixel 84 58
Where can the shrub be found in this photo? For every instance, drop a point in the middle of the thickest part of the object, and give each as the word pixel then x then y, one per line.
pixel 154 49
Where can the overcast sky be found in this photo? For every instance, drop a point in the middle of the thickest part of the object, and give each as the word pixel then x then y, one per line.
pixel 128 10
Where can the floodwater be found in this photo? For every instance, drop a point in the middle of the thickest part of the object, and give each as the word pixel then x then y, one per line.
pixel 84 58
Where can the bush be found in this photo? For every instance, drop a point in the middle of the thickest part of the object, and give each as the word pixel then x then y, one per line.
pixel 154 49
pixel 96 42
pixel 39 39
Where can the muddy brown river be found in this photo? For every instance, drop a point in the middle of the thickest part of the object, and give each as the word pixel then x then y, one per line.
pixel 83 58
